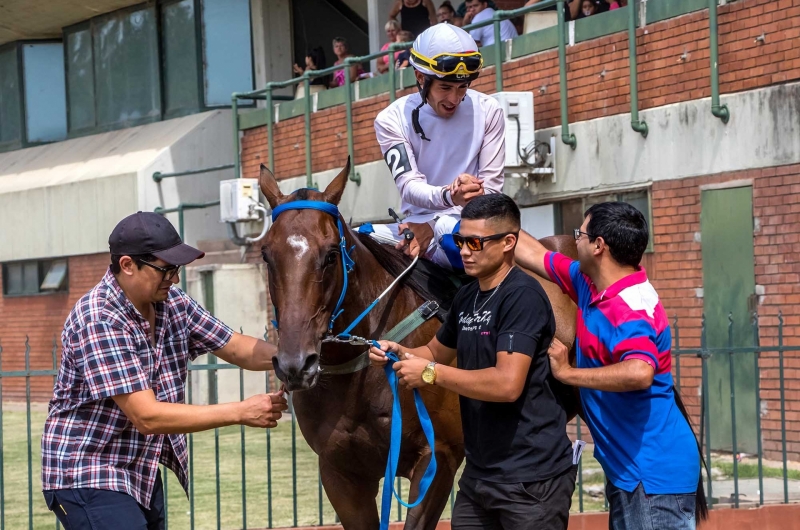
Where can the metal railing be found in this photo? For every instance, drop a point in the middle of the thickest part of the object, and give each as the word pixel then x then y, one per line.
pixel 568 138
pixel 267 92
pixel 233 469
pixel 180 209
pixel 159 176
pixel 184 206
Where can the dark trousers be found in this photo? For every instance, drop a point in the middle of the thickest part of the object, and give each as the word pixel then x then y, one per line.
pixel 94 509
pixel 542 505
pixel 638 511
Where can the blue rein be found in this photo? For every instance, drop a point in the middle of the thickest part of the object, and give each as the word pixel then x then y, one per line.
pixel 397 417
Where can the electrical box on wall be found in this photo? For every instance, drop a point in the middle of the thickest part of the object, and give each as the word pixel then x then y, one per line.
pixel 238 199
pixel 518 112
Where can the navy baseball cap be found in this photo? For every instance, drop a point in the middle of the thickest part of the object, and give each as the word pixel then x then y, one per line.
pixel 151 233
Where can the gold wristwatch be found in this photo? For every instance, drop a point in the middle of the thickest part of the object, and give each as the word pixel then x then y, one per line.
pixel 429 373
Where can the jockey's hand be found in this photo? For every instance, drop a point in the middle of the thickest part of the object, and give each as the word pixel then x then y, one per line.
pixel 409 370
pixel 465 188
pixel 423 233
pixel 559 359
pixel 378 356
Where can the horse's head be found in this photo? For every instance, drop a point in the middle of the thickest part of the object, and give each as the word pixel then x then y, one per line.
pixel 303 255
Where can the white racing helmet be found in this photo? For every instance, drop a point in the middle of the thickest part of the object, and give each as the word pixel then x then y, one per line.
pixel 444 52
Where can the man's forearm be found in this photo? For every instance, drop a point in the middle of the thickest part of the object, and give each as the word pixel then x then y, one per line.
pixel 626 376
pixel 489 384
pixel 177 418
pixel 530 254
pixel 261 359
pixel 248 352
pixel 423 352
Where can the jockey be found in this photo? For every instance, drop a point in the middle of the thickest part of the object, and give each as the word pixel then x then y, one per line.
pixel 444 145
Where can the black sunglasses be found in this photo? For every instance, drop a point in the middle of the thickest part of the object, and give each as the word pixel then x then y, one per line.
pixel 475 243
pixel 577 233
pixel 168 272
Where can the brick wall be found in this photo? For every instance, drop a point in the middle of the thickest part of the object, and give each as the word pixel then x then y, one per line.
pixel 776 206
pixel 41 318
pixel 663 79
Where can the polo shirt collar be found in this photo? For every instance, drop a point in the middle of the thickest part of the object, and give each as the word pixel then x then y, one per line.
pixel 635 278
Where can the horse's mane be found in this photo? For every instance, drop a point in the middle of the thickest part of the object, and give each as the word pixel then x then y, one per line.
pixel 428 280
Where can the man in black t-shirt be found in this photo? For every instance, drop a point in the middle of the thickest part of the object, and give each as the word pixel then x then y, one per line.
pixel 519 472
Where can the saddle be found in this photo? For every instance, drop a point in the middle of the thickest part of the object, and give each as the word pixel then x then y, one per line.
pixel 428 280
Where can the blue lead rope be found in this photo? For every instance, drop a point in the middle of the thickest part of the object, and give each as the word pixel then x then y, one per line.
pixel 394 446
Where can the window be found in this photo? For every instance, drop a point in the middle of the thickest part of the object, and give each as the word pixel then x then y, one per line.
pixel 32 94
pixel 24 278
pixel 156 61
pixel 227 50
pixel 10 104
pixel 80 78
pixel 45 93
pixel 179 37
pixel 126 68
pixel 569 213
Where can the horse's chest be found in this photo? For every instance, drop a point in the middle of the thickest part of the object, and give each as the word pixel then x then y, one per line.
pixel 353 424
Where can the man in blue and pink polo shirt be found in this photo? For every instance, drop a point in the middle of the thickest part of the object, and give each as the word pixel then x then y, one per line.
pixel 642 438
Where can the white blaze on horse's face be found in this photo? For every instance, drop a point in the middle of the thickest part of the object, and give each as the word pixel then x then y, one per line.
pixel 299 244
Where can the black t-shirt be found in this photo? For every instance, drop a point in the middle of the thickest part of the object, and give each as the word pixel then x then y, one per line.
pixel 523 441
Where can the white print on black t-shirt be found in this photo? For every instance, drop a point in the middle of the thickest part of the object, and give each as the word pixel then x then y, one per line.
pixel 472 322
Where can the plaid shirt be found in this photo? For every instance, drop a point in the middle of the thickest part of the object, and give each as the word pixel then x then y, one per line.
pixel 88 442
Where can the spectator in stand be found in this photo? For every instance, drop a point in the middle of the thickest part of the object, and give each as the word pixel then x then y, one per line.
pixel 462 9
pixel 567 7
pixel 415 15
pixel 405 55
pixel 342 52
pixel 575 9
pixel 589 8
pixel 391 28
pixel 446 13
pixel 479 11
pixel 315 60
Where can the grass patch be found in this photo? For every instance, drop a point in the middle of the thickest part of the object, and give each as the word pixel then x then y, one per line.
pixel 751 470
pixel 295 489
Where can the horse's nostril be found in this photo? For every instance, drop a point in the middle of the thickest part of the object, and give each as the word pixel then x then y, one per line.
pixel 275 362
pixel 311 360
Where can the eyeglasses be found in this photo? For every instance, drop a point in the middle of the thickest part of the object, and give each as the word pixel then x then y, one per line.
pixel 475 243
pixel 577 233
pixel 168 272
pixel 450 63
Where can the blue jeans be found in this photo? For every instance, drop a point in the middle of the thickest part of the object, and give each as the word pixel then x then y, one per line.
pixel 93 509
pixel 639 511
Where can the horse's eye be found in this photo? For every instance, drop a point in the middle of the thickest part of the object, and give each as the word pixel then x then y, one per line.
pixel 330 259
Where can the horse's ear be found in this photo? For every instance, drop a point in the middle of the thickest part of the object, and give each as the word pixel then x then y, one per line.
pixel 269 186
pixel 333 193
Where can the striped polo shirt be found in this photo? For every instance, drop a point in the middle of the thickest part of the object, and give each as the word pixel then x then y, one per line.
pixel 640 436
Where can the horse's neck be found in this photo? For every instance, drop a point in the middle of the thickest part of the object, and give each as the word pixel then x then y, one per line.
pixel 366 282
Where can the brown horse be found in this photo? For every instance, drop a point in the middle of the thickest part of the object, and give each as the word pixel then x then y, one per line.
pixel 346 418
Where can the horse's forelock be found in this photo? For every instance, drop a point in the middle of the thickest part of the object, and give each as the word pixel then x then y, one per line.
pixel 306 194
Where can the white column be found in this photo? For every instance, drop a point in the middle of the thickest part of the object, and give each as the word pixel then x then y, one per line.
pixel 378 11
pixel 272 42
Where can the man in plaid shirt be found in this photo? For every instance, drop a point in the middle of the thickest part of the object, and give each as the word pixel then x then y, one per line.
pixel 118 404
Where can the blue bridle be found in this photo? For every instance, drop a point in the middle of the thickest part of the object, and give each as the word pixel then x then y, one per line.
pixel 397 418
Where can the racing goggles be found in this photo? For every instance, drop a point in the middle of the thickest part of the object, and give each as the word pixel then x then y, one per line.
pixel 468 63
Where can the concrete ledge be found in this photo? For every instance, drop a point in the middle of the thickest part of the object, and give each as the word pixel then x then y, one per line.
pixel 777 517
